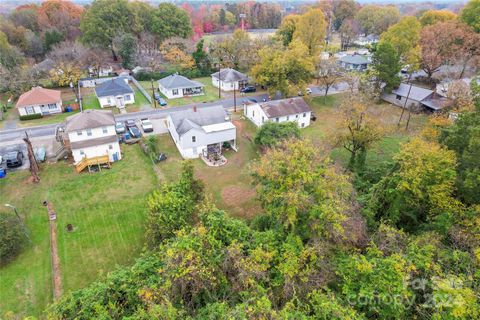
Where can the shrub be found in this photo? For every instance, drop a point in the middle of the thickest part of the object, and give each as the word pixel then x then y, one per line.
pixel 273 133
pixel 11 236
pixel 31 116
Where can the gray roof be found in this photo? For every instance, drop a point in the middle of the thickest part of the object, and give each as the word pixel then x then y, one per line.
pixel 437 102
pixel 89 119
pixel 113 87
pixel 230 75
pixel 285 107
pixel 416 93
pixel 176 81
pixel 94 142
pixel 356 59
pixel 197 117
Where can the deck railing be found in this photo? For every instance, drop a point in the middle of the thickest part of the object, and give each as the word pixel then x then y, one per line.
pixel 86 162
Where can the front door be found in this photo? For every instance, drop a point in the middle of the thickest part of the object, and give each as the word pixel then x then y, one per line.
pixel 120 102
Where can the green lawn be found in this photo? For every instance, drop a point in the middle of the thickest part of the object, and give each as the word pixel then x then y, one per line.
pixel 211 93
pixel 107 210
pixel 90 101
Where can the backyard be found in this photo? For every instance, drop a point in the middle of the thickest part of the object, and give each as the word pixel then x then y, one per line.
pixel 107 209
pixel 107 212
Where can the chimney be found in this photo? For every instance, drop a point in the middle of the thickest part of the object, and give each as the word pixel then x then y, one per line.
pixel 194 108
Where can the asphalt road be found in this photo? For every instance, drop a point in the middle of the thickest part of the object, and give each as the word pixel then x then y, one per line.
pixel 10 135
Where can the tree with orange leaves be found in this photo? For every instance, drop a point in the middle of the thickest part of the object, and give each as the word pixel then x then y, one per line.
pixel 61 15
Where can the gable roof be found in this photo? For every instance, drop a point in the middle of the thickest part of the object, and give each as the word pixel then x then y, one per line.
pixel 176 81
pixel 39 95
pixel 416 93
pixel 354 59
pixel 89 119
pixel 230 75
pixel 195 117
pixel 285 107
pixel 113 87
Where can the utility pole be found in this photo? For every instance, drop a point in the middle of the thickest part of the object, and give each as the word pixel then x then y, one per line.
pixel 80 97
pixel 153 94
pixel 234 96
pixel 31 157
pixel 19 219
pixel 406 100
pixel 219 80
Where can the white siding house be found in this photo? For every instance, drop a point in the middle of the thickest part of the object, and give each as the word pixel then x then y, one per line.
pixel 39 101
pixel 177 86
pixel 197 131
pixel 229 79
pixel 292 109
pixel 91 133
pixel 115 92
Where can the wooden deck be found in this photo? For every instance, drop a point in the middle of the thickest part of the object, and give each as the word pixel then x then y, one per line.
pixel 88 162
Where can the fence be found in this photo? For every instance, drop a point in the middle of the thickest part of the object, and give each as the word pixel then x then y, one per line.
pixel 142 90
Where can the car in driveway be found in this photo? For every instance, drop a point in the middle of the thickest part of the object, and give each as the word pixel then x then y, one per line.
pixel 13 159
pixel 130 123
pixel 120 128
pixel 162 102
pixel 147 125
pixel 134 132
pixel 249 100
pixel 248 89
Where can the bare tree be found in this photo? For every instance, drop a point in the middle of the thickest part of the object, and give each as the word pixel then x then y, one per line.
pixel 328 74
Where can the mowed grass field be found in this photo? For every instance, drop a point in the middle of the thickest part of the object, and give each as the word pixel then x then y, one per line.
pixel 107 211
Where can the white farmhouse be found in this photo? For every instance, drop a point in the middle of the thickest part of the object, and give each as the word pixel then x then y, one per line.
pixel 39 101
pixel 292 109
pixel 201 131
pixel 115 92
pixel 177 86
pixel 229 79
pixel 91 134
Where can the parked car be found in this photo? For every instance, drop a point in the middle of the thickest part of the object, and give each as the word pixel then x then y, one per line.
pixel 120 128
pixel 14 159
pixel 156 96
pixel 248 89
pixel 249 100
pixel 162 102
pixel 130 123
pixel 134 132
pixel 147 125
pixel 313 117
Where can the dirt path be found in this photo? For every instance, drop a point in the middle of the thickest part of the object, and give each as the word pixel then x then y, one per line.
pixel 56 274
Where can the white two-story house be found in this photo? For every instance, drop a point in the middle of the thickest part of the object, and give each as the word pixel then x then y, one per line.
pixel 39 101
pixel 200 131
pixel 291 109
pixel 115 92
pixel 91 133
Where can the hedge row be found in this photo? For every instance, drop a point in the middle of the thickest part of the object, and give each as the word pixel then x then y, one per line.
pixel 31 116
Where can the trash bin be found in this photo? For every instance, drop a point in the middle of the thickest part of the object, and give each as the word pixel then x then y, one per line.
pixel 3 173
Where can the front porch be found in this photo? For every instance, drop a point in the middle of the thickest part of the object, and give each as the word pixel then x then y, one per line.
pixel 213 154
pixel 195 91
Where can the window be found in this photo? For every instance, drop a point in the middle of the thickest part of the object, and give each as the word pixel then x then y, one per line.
pixel 79 133
pixel 127 97
pixel 89 132
pixel 288 118
pixel 253 113
pixel 304 114
pixel 52 106
pixel 175 92
pixel 296 116
pixel 194 139
pixel 277 119
pixel 263 119
pixel 82 153
pixel 109 101
pixel 399 97
pixel 231 85
pixel 104 129
pixel 303 125
pixel 30 110
pixel 110 147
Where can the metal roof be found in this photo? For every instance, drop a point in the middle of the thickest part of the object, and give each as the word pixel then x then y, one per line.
pixel 113 87
pixel 285 107
pixel 195 117
pixel 176 81
pixel 230 75
pixel 416 93
pixel 354 59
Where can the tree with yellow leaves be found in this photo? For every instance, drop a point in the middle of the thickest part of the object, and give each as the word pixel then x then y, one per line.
pixel 310 29
pixel 64 73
